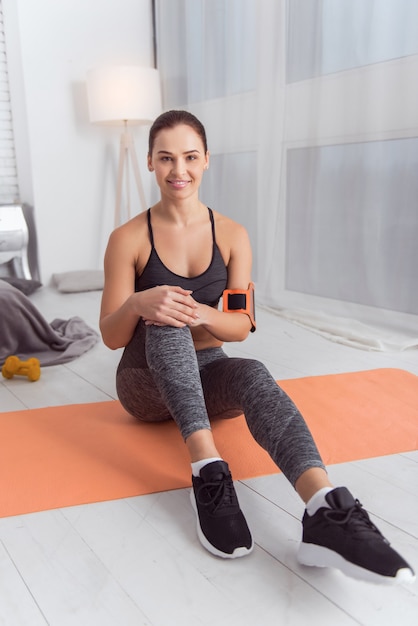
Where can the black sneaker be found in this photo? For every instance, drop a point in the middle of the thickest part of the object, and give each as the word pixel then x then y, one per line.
pixel 221 525
pixel 344 537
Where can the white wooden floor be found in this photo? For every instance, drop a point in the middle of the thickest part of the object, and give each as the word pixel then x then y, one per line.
pixel 138 562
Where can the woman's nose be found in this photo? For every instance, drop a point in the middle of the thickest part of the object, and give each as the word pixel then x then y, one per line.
pixel 179 167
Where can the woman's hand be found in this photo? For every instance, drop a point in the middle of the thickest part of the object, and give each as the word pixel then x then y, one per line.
pixel 167 306
pixel 224 326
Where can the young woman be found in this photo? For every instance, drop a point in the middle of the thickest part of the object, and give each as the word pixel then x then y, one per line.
pixel 165 272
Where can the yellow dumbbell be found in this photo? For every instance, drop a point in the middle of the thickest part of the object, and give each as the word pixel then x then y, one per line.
pixel 14 366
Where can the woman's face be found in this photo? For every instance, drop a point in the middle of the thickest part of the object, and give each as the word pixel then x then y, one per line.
pixel 178 159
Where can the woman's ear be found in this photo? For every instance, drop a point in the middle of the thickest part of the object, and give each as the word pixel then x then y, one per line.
pixel 206 166
pixel 149 163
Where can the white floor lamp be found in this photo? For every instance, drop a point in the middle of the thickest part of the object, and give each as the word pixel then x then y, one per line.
pixel 127 95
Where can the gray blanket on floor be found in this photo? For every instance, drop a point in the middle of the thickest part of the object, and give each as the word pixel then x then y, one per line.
pixel 25 333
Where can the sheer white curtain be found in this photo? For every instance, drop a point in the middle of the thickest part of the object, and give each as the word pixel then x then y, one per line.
pixel 311 110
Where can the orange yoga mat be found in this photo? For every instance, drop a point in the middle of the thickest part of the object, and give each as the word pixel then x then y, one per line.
pixel 67 455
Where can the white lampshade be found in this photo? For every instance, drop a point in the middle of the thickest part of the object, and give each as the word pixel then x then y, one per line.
pixel 123 93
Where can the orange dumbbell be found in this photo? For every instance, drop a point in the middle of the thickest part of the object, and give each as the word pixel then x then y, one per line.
pixel 30 368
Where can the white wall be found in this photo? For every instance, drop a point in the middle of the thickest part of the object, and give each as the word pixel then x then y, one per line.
pixel 67 167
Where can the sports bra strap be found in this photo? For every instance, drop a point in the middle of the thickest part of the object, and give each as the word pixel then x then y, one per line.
pixel 151 236
pixel 212 221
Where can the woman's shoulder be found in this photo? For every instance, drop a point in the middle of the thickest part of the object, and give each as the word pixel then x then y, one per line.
pixel 130 238
pixel 232 237
pixel 131 229
pixel 228 229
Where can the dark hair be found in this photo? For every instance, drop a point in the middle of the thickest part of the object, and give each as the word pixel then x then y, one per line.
pixel 173 118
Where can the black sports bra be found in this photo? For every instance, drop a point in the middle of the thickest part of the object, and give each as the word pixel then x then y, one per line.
pixel 207 288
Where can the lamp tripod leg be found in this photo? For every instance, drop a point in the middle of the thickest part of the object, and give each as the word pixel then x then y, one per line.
pixel 137 174
pixel 122 156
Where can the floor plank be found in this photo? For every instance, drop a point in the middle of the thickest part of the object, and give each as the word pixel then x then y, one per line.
pixel 17 604
pixel 65 576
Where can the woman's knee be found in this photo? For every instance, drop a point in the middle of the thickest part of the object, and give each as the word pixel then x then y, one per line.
pixel 168 333
pixel 167 345
pixel 250 372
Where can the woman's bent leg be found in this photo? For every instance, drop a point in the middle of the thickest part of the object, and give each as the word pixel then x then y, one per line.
pixel 333 520
pixel 171 358
pixel 221 525
pixel 272 417
pixel 135 385
pixel 158 378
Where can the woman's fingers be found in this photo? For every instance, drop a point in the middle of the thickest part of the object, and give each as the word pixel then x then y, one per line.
pixel 177 301
pixel 170 305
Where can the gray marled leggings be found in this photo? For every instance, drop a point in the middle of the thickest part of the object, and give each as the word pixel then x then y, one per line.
pixel 161 376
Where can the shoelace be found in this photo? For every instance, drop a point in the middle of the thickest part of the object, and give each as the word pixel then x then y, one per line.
pixel 357 517
pixel 221 491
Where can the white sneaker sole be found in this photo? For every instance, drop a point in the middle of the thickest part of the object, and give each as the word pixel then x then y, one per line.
pixel 237 553
pixel 318 556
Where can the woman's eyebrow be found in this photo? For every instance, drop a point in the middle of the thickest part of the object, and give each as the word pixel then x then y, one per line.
pixel 186 152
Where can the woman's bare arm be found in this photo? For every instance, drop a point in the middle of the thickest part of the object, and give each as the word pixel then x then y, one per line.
pixel 122 307
pixel 230 326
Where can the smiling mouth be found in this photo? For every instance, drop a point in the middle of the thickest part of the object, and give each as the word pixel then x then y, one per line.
pixel 179 184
